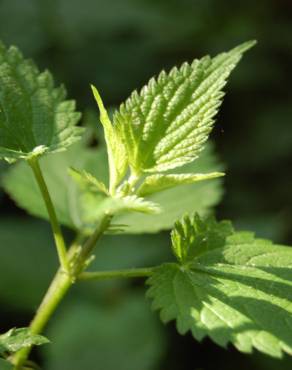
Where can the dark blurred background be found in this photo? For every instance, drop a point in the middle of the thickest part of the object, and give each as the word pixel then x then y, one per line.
pixel 118 46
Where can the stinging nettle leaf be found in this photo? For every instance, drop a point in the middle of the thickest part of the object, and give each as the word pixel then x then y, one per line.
pixel 94 206
pixel 87 181
pixel 35 118
pixel 117 156
pixel 192 236
pixel 155 183
pixel 15 339
pixel 238 292
pixel 96 201
pixel 167 124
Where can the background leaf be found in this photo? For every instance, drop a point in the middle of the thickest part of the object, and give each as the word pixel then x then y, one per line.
pixel 5 365
pixel 67 196
pixel 24 279
pixel 21 184
pixel 122 335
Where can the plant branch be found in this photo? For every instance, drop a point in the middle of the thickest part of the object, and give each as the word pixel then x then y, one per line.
pixel 56 292
pixel 127 273
pixel 89 245
pixel 58 236
pixel 61 284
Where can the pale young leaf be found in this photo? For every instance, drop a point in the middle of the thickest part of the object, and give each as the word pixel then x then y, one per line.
pixel 167 124
pixel 117 156
pixel 87 181
pixel 159 182
pixel 94 206
pixel 191 236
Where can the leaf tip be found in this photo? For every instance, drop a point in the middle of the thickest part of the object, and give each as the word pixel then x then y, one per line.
pixel 96 95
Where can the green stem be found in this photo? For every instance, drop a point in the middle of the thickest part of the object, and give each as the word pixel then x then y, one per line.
pixel 89 245
pixel 60 285
pixel 56 292
pixel 58 236
pixel 129 273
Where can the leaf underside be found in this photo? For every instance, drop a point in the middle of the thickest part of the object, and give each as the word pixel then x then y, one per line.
pixel 239 292
pixel 35 118
pixel 167 124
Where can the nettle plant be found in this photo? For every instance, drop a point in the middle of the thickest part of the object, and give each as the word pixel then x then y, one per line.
pixel 224 284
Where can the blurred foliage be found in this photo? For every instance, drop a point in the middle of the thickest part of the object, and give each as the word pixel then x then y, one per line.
pixel 118 45
pixel 124 335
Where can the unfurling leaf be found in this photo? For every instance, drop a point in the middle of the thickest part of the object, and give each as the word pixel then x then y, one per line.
pixel 95 206
pixel 87 181
pixel 192 236
pixel 15 339
pixel 117 156
pixel 237 289
pixel 35 118
pixel 96 201
pixel 159 182
pixel 167 124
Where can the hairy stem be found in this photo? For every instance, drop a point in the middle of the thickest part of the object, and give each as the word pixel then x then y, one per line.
pixel 60 285
pixel 129 273
pixel 56 292
pixel 58 236
pixel 89 245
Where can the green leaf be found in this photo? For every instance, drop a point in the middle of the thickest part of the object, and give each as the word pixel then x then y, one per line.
pixel 5 365
pixel 95 200
pixel 239 292
pixel 23 279
pixel 93 206
pixel 120 334
pixel 192 236
pixel 21 185
pixel 159 182
pixel 87 181
pixel 68 196
pixel 35 118
pixel 167 124
pixel 196 197
pixel 15 339
pixel 117 156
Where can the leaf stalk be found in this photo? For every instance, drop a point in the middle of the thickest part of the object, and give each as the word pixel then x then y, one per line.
pixel 126 273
